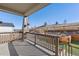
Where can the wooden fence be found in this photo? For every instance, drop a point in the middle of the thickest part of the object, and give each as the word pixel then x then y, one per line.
pixel 9 36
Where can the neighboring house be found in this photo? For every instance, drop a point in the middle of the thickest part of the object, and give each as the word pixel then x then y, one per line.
pixel 68 28
pixel 6 27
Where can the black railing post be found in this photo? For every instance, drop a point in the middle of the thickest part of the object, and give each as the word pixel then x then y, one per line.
pixel 69 46
pixel 71 51
pixel 35 40
pixel 56 46
pixel 23 29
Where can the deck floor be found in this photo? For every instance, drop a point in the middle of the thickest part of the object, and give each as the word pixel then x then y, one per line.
pixel 21 48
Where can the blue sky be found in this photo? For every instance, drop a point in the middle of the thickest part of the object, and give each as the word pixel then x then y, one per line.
pixel 11 18
pixel 56 12
pixel 50 14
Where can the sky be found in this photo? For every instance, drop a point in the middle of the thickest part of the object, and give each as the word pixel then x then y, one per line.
pixel 50 14
pixel 11 18
pixel 56 12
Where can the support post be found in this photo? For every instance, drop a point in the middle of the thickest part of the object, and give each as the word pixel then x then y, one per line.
pixel 25 26
pixel 23 29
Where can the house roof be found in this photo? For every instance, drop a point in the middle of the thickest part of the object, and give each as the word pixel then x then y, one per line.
pixel 7 24
pixel 68 24
pixel 60 27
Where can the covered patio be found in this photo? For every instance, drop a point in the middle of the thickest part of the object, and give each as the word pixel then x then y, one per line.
pixel 21 47
pixel 24 43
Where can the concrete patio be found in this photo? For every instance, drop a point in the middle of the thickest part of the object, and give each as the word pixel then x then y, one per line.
pixel 4 51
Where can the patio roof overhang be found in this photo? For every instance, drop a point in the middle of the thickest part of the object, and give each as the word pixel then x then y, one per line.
pixel 23 9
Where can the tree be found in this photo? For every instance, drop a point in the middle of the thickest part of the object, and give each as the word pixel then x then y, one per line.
pixel 65 21
pixel 45 23
pixel 1 22
pixel 56 23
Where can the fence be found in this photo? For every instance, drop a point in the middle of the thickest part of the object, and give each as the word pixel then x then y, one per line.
pixel 9 36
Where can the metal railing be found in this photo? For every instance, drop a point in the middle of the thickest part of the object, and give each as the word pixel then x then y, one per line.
pixel 47 41
pixel 53 43
pixel 64 46
pixel 69 48
pixel 74 48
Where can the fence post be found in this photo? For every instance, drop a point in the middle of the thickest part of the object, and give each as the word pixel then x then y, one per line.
pixel 69 48
pixel 56 46
pixel 35 40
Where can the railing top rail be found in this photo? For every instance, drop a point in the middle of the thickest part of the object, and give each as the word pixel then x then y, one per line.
pixel 44 34
pixel 74 46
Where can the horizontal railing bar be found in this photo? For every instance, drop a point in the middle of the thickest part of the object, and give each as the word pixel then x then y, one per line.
pixel 73 46
pixel 44 34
